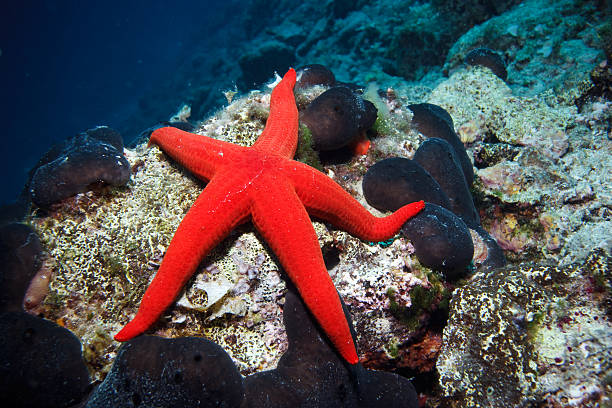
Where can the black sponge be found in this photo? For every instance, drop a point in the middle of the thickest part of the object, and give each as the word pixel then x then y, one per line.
pixel 42 365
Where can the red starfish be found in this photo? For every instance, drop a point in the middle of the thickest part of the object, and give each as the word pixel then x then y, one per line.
pixel 264 185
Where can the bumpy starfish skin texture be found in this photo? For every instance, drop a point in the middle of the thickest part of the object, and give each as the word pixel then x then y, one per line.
pixel 262 184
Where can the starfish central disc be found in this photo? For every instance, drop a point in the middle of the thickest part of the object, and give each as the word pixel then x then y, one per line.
pixel 264 185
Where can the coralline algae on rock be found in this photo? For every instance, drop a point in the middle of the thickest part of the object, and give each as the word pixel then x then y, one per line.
pixel 547 44
pixel 554 179
pixel 525 334
pixel 482 105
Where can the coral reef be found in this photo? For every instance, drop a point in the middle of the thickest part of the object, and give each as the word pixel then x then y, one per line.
pixel 530 333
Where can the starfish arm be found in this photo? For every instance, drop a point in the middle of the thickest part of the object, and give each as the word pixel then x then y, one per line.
pixel 325 199
pixel 285 225
pixel 211 218
pixel 202 155
pixel 280 134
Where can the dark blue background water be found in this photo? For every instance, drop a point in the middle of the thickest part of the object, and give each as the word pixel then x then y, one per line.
pixel 67 66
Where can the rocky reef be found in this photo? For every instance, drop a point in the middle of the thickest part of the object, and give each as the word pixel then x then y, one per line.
pixel 530 153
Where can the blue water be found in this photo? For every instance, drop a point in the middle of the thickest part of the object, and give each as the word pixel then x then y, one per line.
pixel 67 66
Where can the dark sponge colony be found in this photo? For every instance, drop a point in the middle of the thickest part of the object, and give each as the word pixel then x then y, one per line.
pixel 145 135
pixel 151 371
pixel 441 240
pixel 434 121
pixel 437 174
pixel 438 157
pixel 20 257
pixel 488 58
pixel 42 366
pixel 311 374
pixel 314 74
pixel 392 183
pixel 338 117
pixel 90 157
pixel 156 372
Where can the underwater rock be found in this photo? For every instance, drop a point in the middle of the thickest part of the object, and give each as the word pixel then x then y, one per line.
pixel 261 61
pixel 439 159
pixel 489 154
pixel 394 182
pixel 470 12
pixel 20 258
pixel 520 335
pixel 337 117
pixel 155 371
pixel 312 374
pixel 493 254
pixel 441 240
pixel 488 58
pixel 485 108
pixel 93 156
pixel 42 365
pixel 435 122
pixel 314 74
pixel 601 83
pixel 541 46
pixel 522 180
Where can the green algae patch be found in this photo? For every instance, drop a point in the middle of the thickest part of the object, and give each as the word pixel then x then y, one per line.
pixel 424 299
pixel 305 150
